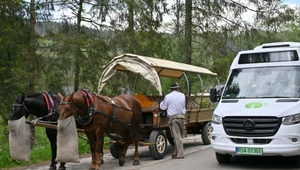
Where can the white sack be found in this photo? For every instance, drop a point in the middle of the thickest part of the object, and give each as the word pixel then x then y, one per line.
pixel 19 139
pixel 67 141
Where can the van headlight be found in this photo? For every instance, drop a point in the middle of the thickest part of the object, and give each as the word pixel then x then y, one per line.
pixel 291 120
pixel 216 119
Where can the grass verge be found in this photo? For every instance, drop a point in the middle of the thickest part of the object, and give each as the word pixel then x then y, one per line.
pixel 40 153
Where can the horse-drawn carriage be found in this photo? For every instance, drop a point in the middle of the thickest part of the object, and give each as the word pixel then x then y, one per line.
pixel 91 109
pixel 154 129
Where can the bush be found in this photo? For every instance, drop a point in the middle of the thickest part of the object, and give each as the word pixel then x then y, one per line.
pixel 205 103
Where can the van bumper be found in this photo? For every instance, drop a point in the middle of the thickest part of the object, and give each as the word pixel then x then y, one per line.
pixel 286 142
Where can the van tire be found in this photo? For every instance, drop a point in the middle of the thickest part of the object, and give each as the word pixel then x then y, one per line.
pixel 206 133
pixel 223 158
pixel 297 159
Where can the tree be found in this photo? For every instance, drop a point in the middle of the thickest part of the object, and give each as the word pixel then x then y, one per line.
pixel 13 40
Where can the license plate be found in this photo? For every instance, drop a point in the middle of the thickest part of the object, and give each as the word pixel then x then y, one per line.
pixel 248 151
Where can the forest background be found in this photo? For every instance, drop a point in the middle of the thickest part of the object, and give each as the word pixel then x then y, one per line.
pixel 55 45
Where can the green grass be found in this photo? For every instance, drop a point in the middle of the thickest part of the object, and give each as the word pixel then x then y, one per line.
pixel 40 153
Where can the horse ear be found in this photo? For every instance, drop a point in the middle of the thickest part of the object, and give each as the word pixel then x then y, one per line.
pixel 71 96
pixel 60 97
pixel 16 96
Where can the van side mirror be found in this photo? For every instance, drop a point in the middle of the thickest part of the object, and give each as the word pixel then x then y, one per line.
pixel 213 95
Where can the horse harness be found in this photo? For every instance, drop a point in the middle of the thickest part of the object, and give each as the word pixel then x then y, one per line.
pixel 91 110
pixel 52 111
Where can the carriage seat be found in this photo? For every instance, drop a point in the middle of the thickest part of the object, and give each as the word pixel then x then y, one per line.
pixel 147 105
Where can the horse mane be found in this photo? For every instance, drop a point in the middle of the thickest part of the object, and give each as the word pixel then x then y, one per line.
pixel 34 95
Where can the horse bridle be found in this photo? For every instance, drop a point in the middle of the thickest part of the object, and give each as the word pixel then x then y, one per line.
pixel 20 105
pixel 81 120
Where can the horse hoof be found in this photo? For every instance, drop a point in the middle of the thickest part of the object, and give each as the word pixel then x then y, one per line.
pixel 52 168
pixel 121 162
pixel 136 162
pixel 62 168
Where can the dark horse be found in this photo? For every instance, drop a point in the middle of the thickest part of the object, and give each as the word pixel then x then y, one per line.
pixel 106 116
pixel 42 105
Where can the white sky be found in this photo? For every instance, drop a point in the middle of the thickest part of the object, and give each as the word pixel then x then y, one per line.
pixel 168 19
pixel 292 2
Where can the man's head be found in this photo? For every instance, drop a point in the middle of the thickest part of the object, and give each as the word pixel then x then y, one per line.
pixel 174 86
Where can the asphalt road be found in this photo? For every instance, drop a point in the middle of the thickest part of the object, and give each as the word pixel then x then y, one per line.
pixel 197 157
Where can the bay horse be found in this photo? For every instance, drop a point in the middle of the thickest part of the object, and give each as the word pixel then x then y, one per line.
pixel 107 115
pixel 42 105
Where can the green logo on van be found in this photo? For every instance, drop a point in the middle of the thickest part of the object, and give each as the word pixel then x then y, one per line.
pixel 253 105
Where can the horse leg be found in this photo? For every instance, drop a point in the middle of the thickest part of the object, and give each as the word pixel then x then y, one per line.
pixel 99 148
pixel 136 160
pixel 92 141
pixel 102 153
pixel 52 134
pixel 127 138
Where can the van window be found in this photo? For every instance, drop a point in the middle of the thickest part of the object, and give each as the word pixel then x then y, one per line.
pixel 271 82
pixel 268 57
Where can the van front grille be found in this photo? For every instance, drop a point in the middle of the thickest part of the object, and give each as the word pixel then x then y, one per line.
pixel 251 126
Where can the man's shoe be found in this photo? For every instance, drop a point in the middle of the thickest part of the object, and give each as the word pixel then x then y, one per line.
pixel 175 157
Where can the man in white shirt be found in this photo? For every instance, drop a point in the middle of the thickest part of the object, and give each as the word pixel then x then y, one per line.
pixel 174 103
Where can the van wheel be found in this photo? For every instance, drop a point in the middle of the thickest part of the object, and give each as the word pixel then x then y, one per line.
pixel 297 161
pixel 223 158
pixel 206 133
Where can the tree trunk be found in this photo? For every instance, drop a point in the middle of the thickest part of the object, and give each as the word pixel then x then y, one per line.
pixel 31 61
pixel 78 53
pixel 131 26
pixel 188 31
pixel 177 14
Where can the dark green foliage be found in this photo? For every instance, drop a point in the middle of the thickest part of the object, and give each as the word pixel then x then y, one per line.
pixel 13 40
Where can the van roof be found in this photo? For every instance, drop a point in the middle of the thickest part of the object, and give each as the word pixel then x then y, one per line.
pixel 278 45
pixel 268 47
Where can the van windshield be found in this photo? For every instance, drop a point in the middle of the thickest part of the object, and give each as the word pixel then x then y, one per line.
pixel 270 82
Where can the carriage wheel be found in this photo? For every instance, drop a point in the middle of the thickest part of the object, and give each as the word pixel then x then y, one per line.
pixel 206 133
pixel 115 149
pixel 169 136
pixel 159 144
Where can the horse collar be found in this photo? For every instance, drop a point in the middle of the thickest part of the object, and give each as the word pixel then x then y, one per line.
pixel 50 105
pixel 89 101
pixel 90 104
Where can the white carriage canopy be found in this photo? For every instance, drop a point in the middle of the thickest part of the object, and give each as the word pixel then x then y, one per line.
pixel 150 68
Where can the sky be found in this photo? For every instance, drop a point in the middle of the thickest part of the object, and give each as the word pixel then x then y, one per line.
pixel 296 2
